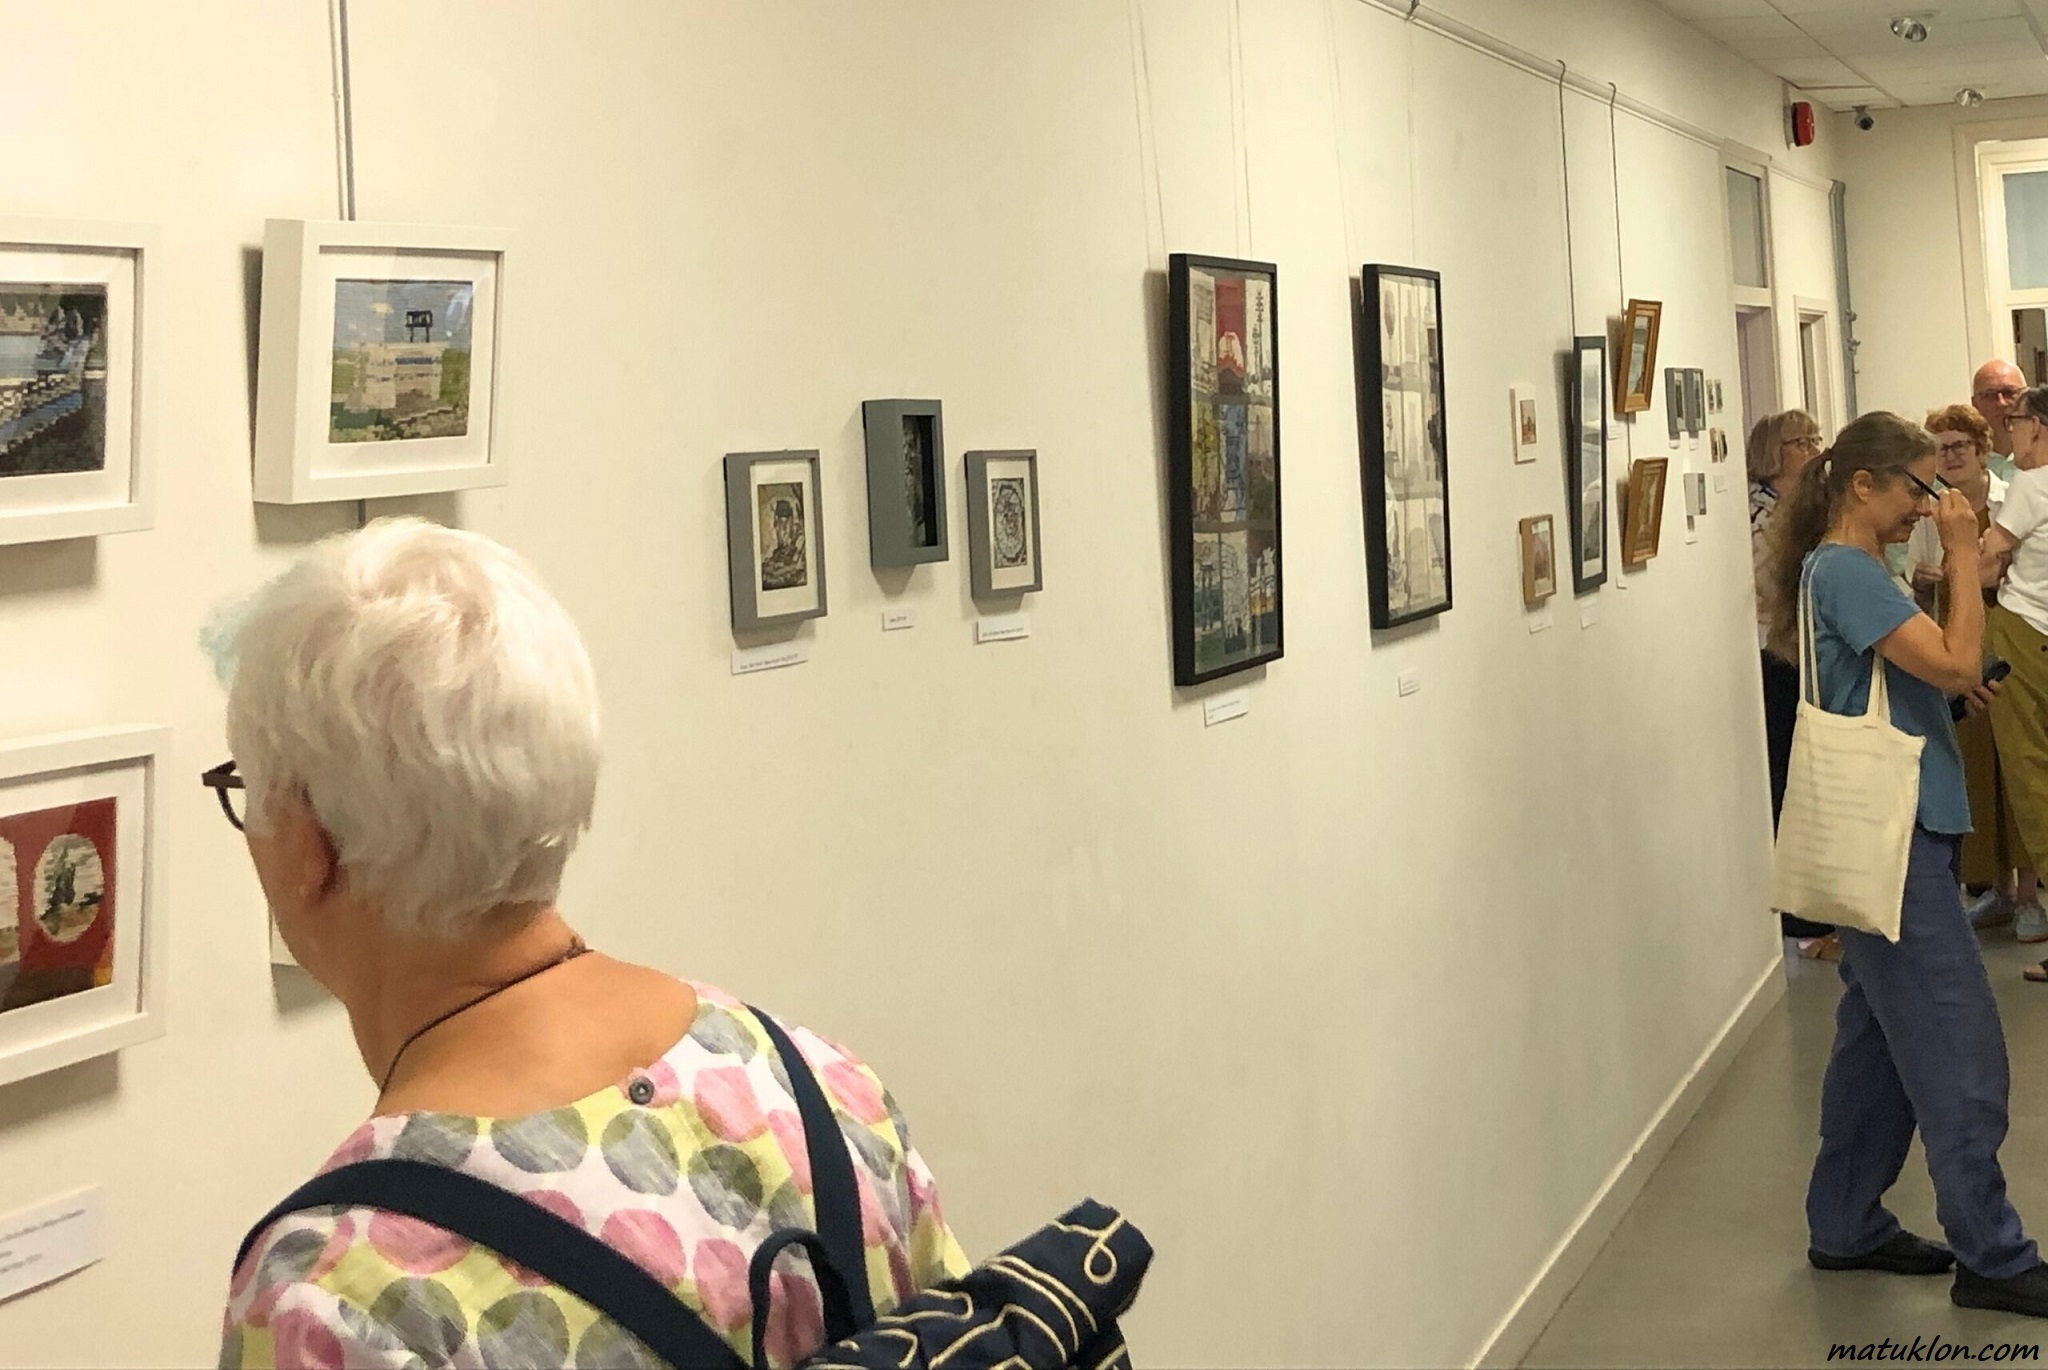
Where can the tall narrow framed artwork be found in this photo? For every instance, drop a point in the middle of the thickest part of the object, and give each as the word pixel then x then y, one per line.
pixel 1407 476
pixel 906 448
pixel 1223 465
pixel 1636 376
pixel 775 539
pixel 1586 465
pixel 378 363
pixel 1643 521
pixel 78 305
pixel 1003 554
pixel 81 951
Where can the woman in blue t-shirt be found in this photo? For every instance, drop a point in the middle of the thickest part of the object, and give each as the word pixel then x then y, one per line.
pixel 1917 1036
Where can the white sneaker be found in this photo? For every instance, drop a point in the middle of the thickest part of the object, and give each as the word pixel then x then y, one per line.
pixel 2030 923
pixel 1990 909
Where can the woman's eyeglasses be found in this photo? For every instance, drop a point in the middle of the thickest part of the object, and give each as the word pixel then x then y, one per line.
pixel 1811 442
pixel 230 789
pixel 1925 489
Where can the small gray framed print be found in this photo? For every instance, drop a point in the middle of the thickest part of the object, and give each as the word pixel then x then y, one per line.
pixel 1674 401
pixel 1002 523
pixel 775 539
pixel 1695 401
pixel 906 442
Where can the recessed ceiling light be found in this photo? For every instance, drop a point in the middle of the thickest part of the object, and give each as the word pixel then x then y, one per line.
pixel 1969 97
pixel 1910 28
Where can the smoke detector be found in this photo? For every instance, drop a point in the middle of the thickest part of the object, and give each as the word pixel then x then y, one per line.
pixel 1969 97
pixel 1910 27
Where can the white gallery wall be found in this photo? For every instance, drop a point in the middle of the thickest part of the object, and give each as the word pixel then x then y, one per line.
pixel 1914 231
pixel 1356 1004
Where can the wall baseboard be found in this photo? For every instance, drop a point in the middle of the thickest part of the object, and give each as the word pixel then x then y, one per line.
pixel 1568 1261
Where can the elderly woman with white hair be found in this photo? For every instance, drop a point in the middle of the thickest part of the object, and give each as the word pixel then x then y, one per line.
pixel 414 724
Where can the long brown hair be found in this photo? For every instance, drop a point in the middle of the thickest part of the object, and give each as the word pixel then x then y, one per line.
pixel 1882 444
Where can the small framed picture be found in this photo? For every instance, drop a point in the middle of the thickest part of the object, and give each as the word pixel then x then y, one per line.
pixel 1643 525
pixel 1695 494
pixel 1637 374
pixel 377 367
pixel 1717 444
pixel 1674 401
pixel 1695 401
pixel 1714 397
pixel 1002 523
pixel 1586 465
pixel 77 371
pixel 1539 559
pixel 774 539
pixel 906 443
pixel 81 955
pixel 1522 414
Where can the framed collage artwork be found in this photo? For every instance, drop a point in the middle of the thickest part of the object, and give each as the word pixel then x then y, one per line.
pixel 377 370
pixel 1407 478
pixel 1586 464
pixel 1223 465
pixel 77 367
pixel 775 539
pixel 906 448
pixel 81 953
pixel 1002 524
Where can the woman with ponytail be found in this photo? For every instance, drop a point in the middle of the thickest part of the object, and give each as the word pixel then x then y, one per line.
pixel 1917 1036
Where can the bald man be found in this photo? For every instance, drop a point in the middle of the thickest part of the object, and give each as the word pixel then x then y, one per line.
pixel 1996 393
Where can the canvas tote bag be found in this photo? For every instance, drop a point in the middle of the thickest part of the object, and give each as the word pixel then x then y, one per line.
pixel 1852 796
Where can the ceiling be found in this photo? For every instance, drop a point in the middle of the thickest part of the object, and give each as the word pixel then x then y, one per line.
pixel 1843 53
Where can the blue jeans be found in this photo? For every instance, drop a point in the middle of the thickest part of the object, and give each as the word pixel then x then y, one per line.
pixel 1917 1040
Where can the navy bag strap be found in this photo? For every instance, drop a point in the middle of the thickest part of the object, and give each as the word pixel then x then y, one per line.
pixel 835 1192
pixel 544 1243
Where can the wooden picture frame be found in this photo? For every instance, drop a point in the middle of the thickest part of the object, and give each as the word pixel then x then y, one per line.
pixel 1635 378
pixel 1539 559
pixel 906 460
pixel 1223 465
pixel 1586 492
pixel 774 539
pixel 1643 526
pixel 79 347
pixel 82 962
pixel 1405 457
pixel 414 416
pixel 1003 546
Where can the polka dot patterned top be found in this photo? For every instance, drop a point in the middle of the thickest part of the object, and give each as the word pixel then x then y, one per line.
pixel 686 1167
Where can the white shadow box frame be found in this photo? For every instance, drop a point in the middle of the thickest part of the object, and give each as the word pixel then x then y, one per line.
pixel 120 497
pixel 304 264
pixel 72 770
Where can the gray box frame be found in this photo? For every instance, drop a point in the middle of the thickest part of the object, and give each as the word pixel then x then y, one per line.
pixel 980 556
pixel 1674 401
pixel 739 540
pixel 1695 400
pixel 889 541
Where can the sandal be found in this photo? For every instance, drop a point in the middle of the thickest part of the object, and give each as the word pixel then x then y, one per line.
pixel 1829 948
pixel 2037 973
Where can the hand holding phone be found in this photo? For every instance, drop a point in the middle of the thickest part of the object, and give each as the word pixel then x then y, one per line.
pixel 1995 670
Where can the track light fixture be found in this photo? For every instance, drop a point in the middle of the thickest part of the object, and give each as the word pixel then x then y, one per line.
pixel 1969 97
pixel 1909 27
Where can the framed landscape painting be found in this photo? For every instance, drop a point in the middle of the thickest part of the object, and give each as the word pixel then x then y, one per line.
pixel 378 363
pixel 81 955
pixel 1407 477
pixel 775 539
pixel 1586 464
pixel 76 372
pixel 1223 465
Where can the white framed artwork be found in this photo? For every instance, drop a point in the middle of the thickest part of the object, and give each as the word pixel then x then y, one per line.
pixel 378 361
pixel 77 368
pixel 81 950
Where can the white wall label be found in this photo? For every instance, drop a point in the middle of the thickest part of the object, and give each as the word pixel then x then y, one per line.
pixel 1002 627
pixel 896 620
pixel 1542 620
pixel 51 1240
pixel 1720 482
pixel 747 660
pixel 1223 708
pixel 1408 683
pixel 1589 613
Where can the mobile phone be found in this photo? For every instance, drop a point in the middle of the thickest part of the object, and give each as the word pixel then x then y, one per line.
pixel 1995 670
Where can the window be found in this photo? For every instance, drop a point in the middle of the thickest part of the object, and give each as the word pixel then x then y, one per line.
pixel 1749 266
pixel 1747 234
pixel 2012 181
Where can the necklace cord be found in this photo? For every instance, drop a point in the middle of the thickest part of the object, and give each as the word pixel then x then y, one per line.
pixel 575 949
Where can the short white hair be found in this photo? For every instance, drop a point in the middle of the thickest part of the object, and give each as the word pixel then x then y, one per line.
pixel 434 705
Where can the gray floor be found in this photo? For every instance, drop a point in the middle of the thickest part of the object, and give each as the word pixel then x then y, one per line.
pixel 1708 1268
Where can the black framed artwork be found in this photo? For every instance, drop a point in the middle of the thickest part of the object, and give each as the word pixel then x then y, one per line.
pixel 1586 464
pixel 1223 465
pixel 1407 475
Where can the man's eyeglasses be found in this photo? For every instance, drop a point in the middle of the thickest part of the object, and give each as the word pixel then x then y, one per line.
pixel 230 789
pixel 2007 393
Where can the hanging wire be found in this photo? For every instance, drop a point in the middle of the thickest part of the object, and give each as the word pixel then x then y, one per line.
pixel 1148 136
pixel 1564 147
